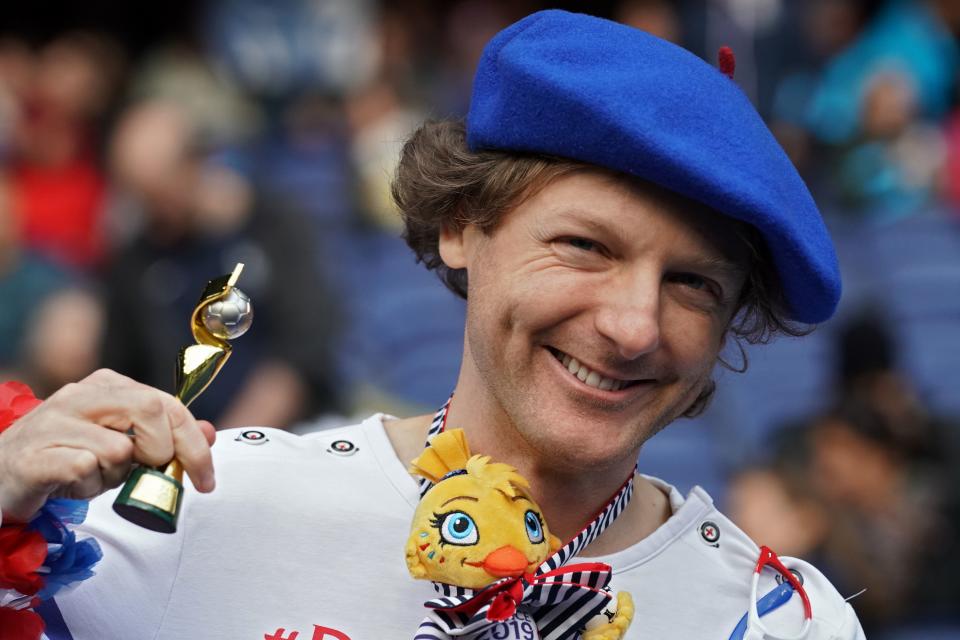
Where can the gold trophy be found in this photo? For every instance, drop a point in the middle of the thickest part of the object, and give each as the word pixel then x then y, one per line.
pixel 151 497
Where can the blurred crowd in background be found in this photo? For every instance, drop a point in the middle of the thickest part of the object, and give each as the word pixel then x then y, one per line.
pixel 147 147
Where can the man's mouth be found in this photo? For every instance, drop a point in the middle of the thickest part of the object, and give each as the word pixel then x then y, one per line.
pixel 588 376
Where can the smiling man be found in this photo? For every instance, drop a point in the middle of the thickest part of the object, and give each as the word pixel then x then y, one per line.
pixel 615 212
pixel 597 307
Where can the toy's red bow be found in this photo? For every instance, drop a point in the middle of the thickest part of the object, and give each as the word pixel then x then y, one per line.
pixel 504 604
pixel 571 595
pixel 503 596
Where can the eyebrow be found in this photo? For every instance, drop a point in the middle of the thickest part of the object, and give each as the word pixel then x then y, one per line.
pixel 520 497
pixel 584 217
pixel 460 498
pixel 716 264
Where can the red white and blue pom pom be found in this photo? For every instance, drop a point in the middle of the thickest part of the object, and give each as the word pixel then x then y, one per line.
pixel 42 557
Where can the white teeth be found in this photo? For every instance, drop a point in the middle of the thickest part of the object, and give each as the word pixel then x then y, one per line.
pixel 588 377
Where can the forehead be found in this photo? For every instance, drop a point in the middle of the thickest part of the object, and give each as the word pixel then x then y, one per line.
pixel 724 235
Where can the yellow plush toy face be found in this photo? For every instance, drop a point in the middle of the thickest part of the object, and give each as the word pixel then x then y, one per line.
pixel 468 534
pixel 477 523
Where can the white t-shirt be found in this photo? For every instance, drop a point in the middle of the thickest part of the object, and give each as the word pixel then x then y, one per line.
pixel 303 540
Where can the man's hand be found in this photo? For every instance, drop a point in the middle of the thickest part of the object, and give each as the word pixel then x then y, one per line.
pixel 84 438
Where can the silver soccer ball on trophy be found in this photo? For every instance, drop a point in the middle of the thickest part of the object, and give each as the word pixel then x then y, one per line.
pixel 229 317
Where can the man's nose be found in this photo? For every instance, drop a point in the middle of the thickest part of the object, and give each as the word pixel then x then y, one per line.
pixel 630 319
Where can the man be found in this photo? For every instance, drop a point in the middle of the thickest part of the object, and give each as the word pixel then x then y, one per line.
pixel 613 211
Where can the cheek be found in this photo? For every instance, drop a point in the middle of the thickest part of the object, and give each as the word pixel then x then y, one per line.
pixel 498 275
pixel 521 303
pixel 429 550
pixel 694 339
pixel 442 561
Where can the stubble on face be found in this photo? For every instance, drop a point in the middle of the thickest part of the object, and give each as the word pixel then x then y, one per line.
pixel 554 440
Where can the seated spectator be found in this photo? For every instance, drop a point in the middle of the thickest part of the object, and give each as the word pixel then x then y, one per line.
pixel 883 519
pixel 890 468
pixel 894 169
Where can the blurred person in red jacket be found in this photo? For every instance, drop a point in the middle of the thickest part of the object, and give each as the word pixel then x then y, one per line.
pixel 57 184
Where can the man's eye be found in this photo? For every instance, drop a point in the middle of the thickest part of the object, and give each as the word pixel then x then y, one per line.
pixel 699 285
pixel 691 280
pixel 583 244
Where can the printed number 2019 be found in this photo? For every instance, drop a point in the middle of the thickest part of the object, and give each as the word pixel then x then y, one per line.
pixel 511 629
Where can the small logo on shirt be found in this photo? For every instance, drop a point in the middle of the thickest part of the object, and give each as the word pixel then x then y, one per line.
pixel 342 448
pixel 710 533
pixel 794 572
pixel 252 436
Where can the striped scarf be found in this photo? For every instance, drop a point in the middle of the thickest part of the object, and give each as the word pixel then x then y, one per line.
pixel 553 603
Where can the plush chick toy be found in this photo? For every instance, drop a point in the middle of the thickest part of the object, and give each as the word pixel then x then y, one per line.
pixel 478 524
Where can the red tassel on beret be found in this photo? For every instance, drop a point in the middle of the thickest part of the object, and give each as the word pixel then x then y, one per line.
pixel 727 62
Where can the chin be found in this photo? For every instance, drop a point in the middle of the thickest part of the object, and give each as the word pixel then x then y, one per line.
pixel 583 446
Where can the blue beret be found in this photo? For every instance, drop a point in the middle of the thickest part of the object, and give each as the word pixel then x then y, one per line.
pixel 610 95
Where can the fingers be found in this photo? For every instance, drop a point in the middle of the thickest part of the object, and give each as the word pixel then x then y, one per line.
pixel 74 472
pixel 110 378
pixel 83 460
pixel 209 431
pixel 162 427
pixel 81 477
pixel 162 430
pixel 115 475
pixel 111 448
pixel 152 417
pixel 193 450
pixel 84 438
pixel 149 413
pixel 88 480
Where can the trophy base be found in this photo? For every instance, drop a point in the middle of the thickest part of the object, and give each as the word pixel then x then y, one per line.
pixel 150 499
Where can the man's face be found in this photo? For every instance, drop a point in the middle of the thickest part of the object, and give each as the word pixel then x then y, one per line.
pixel 596 311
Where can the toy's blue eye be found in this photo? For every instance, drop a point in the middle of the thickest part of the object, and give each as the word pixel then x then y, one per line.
pixel 458 528
pixel 534 526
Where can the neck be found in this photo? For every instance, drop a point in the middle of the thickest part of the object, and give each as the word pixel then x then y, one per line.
pixel 569 496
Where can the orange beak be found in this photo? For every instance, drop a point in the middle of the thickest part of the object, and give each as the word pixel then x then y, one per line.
pixel 505 562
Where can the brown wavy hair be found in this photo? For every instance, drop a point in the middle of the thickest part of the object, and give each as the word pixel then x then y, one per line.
pixel 441 183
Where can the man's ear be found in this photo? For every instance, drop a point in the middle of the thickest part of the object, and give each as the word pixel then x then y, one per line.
pixel 452 250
